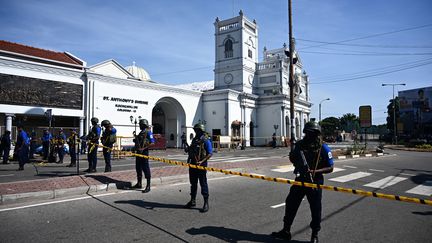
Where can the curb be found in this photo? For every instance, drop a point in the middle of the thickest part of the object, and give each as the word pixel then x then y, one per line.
pixel 359 156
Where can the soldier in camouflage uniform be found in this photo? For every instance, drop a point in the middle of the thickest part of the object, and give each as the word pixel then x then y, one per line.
pixel 108 139
pixel 142 143
pixel 72 142
pixel 199 153
pixel 93 141
pixel 311 159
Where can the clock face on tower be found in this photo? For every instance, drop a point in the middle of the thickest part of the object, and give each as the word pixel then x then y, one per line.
pixel 228 78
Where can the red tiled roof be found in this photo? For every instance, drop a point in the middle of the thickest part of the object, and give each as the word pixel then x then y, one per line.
pixel 37 52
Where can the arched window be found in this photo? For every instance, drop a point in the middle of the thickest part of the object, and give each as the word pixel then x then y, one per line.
pixel 228 48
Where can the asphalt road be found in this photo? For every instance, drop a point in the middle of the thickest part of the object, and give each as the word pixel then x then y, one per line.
pixel 241 210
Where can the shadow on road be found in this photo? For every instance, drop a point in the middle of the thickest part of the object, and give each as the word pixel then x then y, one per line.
pixel 233 235
pixel 139 219
pixel 152 205
pixel 121 185
pixel 426 213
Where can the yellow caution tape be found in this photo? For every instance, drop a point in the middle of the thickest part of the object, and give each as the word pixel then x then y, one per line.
pixel 291 182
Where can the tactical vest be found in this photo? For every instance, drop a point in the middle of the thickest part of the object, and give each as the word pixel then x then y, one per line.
pixel 196 150
pixel 108 138
pixel 311 152
pixel 141 140
pixel 93 135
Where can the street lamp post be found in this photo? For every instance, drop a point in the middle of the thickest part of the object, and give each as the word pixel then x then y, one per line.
pixel 394 112
pixel 135 120
pixel 320 108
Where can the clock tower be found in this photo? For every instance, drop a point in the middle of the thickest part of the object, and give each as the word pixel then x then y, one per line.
pixel 236 45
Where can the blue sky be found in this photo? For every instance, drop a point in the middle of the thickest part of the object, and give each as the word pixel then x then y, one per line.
pixel 374 42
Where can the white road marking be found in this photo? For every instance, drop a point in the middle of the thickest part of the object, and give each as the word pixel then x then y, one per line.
pixel 406 174
pixel 349 166
pixel 62 201
pixel 350 177
pixel 7 175
pixel 376 170
pixel 386 182
pixel 423 189
pixel 336 169
pixel 211 179
pixel 278 205
pixel 284 169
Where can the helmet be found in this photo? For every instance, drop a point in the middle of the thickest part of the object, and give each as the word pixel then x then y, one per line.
pixel 199 126
pixel 105 123
pixel 312 127
pixel 94 119
pixel 143 122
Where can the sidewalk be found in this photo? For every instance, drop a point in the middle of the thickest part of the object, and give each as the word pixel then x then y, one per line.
pixel 57 187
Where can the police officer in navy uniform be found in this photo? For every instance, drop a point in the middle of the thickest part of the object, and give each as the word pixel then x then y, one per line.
pixel 199 153
pixel 60 142
pixel 93 141
pixel 46 138
pixel 72 142
pixel 22 147
pixel 318 158
pixel 5 146
pixel 108 139
pixel 142 143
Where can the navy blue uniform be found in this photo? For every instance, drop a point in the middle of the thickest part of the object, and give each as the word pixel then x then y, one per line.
pixel 142 141
pixel 93 139
pixel 46 138
pixel 198 150
pixel 60 140
pixel 108 139
pixel 324 158
pixel 23 143
pixel 5 146
pixel 72 142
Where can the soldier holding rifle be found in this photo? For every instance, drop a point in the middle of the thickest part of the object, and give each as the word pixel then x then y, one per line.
pixel 143 141
pixel 311 159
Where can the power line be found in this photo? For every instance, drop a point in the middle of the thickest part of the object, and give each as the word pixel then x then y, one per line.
pixel 364 72
pixel 367 45
pixel 368 36
pixel 370 53
pixel 373 75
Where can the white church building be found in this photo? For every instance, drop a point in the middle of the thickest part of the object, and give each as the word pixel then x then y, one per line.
pixel 249 100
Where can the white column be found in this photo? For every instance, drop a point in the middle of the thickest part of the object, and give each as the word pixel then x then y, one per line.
pixel 9 122
pixel 81 130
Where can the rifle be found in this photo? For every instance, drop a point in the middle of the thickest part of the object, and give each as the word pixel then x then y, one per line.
pixel 304 170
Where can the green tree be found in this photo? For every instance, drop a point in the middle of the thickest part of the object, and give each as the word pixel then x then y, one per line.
pixel 391 112
pixel 349 122
pixel 329 126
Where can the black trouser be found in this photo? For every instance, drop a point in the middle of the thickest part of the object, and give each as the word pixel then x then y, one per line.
pixel 23 155
pixel 61 153
pixel 73 155
pixel 107 157
pixel 294 199
pixel 142 164
pixel 92 156
pixel 5 152
pixel 45 146
pixel 196 175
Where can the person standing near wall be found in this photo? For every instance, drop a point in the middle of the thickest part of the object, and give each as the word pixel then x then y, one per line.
pixel 108 139
pixel 72 142
pixel 5 146
pixel 93 141
pixel 22 147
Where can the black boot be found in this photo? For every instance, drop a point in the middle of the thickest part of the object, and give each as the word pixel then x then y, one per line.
pixel 314 237
pixel 139 184
pixel 147 189
pixel 205 206
pixel 191 203
pixel 282 234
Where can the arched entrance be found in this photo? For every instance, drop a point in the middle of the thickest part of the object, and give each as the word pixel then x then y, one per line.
pixel 168 119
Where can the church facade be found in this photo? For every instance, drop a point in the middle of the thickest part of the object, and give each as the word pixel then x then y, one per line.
pixel 249 101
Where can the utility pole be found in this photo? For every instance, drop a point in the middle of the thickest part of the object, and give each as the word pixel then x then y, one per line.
pixel 394 112
pixel 291 73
